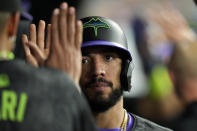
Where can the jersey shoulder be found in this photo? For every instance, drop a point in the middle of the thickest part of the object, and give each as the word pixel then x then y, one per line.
pixel 141 124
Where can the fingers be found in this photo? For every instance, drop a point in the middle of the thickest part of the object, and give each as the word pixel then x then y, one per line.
pixel 37 52
pixel 32 32
pixel 55 49
pixel 63 22
pixel 25 46
pixel 29 57
pixel 79 34
pixel 54 30
pixel 48 38
pixel 71 24
pixel 41 34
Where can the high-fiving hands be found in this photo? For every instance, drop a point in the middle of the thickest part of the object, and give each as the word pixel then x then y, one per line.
pixel 62 48
pixel 36 49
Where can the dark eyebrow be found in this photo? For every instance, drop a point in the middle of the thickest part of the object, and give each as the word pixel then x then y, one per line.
pixel 85 53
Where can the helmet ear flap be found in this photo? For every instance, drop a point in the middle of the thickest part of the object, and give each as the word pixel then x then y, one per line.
pixel 126 75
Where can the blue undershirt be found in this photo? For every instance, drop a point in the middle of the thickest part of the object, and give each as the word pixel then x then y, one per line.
pixel 129 125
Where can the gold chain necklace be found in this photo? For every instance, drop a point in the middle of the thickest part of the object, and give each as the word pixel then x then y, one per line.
pixel 123 126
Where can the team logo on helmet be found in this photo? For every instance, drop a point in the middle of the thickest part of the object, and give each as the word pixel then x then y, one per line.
pixel 96 23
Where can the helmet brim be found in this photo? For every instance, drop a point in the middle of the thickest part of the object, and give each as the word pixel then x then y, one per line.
pixel 109 44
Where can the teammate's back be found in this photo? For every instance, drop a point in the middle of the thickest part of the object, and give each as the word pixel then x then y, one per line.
pixel 40 99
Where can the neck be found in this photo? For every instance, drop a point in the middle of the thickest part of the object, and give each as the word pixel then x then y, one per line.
pixel 6 47
pixel 5 44
pixel 112 118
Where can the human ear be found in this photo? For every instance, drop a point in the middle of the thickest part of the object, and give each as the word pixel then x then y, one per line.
pixel 13 21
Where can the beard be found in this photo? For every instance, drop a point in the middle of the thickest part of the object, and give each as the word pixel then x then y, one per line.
pixel 98 103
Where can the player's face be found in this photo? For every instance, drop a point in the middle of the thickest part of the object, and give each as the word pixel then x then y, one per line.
pixel 100 79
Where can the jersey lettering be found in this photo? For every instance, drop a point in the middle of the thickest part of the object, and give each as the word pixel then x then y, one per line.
pixel 9 109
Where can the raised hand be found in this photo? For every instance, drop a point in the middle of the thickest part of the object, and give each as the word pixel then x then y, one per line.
pixel 62 49
pixel 36 49
pixel 66 39
pixel 172 22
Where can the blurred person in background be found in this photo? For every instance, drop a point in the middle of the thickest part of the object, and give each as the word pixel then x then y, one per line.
pixel 161 103
pixel 33 99
pixel 182 65
pixel 183 71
